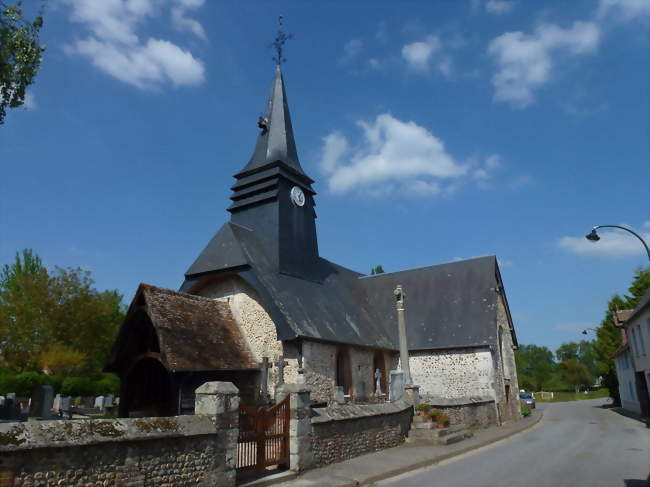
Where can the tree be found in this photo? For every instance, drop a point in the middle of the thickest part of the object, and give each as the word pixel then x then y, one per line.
pixel 567 351
pixel 377 270
pixel 575 374
pixel 20 55
pixel 581 352
pixel 61 360
pixel 535 366
pixel 24 301
pixel 40 310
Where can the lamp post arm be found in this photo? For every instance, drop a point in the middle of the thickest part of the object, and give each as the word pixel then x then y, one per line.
pixel 645 245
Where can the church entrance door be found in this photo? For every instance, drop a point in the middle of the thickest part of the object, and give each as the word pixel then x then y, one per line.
pixel 263 436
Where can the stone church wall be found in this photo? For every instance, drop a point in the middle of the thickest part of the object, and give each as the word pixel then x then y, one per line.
pixel 453 374
pixel 256 324
pixel 320 369
pixel 507 371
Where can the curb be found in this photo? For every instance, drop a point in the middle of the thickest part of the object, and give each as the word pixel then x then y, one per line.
pixel 432 461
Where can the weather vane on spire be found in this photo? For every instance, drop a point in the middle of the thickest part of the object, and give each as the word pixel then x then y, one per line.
pixel 279 42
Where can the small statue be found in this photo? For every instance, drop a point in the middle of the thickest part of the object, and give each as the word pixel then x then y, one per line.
pixel 378 383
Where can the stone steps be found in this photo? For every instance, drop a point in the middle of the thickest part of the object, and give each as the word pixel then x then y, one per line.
pixel 422 431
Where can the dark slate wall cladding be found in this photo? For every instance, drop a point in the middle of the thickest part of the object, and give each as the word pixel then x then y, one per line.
pixel 336 441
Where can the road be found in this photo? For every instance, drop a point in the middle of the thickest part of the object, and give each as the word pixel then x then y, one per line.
pixel 576 444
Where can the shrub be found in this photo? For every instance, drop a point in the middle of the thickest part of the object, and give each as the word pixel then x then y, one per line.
pixel 525 410
pixel 23 384
pixel 424 408
pixel 56 381
pixel 108 384
pixel 78 386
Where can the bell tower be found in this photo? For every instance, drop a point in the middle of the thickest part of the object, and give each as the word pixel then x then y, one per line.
pixel 273 195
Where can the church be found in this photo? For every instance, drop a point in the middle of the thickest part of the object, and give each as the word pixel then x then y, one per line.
pixel 259 306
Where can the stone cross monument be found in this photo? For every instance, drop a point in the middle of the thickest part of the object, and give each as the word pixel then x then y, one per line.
pixel 280 364
pixel 401 326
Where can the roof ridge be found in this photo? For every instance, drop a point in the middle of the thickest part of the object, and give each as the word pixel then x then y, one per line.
pixel 172 292
pixel 429 266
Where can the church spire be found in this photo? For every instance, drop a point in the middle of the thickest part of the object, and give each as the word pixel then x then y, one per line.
pixel 275 141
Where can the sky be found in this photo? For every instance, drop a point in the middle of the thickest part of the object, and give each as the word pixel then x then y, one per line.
pixel 435 131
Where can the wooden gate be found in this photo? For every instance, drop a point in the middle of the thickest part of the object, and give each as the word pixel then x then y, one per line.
pixel 263 436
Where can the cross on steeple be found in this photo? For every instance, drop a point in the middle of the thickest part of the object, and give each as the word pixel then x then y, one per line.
pixel 278 44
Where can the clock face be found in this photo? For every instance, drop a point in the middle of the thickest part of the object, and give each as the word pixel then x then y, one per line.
pixel 297 196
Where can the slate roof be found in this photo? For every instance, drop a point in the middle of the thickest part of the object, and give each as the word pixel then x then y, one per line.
pixel 277 142
pixel 327 310
pixel 449 305
pixel 194 333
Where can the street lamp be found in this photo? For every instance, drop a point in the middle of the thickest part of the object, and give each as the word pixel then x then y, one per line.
pixel 594 237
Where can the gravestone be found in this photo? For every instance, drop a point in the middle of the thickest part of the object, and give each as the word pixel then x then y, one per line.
pixel 10 410
pixel 41 402
pixel 108 401
pixel 99 402
pixel 396 386
pixel 65 403
pixel 56 405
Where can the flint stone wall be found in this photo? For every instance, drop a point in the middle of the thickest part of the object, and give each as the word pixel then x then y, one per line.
pixel 176 451
pixel 343 432
pixel 453 374
pixel 507 371
pixel 474 412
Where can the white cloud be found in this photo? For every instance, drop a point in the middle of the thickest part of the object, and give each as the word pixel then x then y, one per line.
pixel 646 224
pixel 30 101
pixel 611 244
pixel 392 155
pixel 421 55
pixel 144 65
pixel 624 9
pixel 525 61
pixel 114 46
pixel 182 22
pixel 352 48
pixel 483 173
pixel 418 54
pixel 493 162
pixel 499 7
